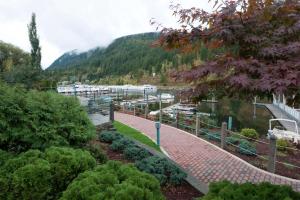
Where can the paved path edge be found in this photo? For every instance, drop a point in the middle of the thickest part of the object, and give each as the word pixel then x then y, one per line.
pixel 234 156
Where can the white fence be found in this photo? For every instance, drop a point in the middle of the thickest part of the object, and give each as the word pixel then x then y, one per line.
pixel 291 111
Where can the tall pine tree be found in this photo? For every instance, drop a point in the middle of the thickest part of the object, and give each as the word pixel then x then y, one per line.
pixel 35 44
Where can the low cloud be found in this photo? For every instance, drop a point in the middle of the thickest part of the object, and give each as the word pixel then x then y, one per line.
pixel 64 25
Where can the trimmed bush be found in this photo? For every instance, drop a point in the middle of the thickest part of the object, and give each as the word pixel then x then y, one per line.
pixel 38 175
pixel 165 171
pixel 121 144
pixel 227 191
pixel 246 148
pixel 109 136
pixel 250 133
pixel 114 181
pixel 282 144
pixel 135 153
pixel 41 119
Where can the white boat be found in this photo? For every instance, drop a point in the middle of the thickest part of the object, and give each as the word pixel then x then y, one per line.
pixel 284 134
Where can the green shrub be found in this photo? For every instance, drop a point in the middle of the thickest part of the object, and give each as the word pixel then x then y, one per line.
pixel 250 133
pixel 248 191
pixel 246 148
pixel 109 136
pixel 4 156
pixel 233 140
pixel 41 119
pixel 121 144
pixel 213 136
pixel 37 175
pixel 135 153
pixel 97 153
pixel 165 171
pixel 282 144
pixel 114 181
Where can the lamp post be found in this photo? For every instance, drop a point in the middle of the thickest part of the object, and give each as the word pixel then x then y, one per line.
pixel 157 126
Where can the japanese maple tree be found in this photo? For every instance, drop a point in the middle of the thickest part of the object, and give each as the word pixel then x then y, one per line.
pixel 261 39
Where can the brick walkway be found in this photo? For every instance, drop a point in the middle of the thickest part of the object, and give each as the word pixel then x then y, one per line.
pixel 206 162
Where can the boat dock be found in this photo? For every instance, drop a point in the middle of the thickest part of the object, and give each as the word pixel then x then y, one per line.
pixel 278 113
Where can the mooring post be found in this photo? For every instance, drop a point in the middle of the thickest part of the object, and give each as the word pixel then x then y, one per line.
pixel 157 126
pixel 111 112
pixel 197 128
pixel 223 135
pixel 272 153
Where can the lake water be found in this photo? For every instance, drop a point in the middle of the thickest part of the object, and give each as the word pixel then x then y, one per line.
pixel 244 114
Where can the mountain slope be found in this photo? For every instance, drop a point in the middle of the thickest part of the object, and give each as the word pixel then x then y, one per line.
pixel 131 54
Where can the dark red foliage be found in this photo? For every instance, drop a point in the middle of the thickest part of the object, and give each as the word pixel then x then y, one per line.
pixel 261 39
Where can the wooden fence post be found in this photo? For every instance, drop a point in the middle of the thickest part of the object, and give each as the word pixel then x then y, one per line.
pixel 223 135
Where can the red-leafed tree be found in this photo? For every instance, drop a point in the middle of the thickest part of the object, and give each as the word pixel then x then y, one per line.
pixel 261 39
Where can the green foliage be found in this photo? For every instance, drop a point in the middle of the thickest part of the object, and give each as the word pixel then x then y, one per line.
pixel 41 119
pixel 135 153
pixel 97 153
pixel 233 140
pixel 126 55
pixel 247 148
pixel 213 136
pixel 135 134
pixel 250 133
pixel 282 144
pixel 121 144
pixel 165 171
pixel 4 156
pixel 38 175
pixel 114 181
pixel 35 44
pixel 109 136
pixel 227 191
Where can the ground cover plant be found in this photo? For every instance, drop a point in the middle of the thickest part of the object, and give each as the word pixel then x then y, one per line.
pixel 164 170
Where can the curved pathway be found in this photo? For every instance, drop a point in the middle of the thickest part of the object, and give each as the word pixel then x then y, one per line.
pixel 205 161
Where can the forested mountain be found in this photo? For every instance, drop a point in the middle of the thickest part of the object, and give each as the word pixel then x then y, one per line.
pixel 132 55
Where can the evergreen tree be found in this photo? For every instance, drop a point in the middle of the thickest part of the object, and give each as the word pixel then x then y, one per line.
pixel 35 44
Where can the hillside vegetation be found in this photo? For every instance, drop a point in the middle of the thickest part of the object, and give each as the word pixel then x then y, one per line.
pixel 134 58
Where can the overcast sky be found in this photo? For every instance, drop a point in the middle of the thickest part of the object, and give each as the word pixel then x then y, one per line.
pixel 64 25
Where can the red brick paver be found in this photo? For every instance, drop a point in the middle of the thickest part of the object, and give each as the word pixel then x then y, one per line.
pixel 206 162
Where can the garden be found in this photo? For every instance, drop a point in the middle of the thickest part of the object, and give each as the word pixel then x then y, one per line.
pixel 50 150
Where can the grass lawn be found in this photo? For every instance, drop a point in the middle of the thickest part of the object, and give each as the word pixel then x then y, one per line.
pixel 135 134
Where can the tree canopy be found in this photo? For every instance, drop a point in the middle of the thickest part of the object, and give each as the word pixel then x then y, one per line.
pixel 31 119
pixel 262 42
